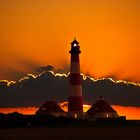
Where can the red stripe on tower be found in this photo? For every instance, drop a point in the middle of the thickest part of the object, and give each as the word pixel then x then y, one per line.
pixel 75 103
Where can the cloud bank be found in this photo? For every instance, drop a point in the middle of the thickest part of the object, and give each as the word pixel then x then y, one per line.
pixel 34 90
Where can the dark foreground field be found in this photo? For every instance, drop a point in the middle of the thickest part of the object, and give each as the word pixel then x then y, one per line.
pixel 71 133
pixel 17 126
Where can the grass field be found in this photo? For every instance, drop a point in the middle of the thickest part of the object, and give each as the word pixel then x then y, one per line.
pixel 70 133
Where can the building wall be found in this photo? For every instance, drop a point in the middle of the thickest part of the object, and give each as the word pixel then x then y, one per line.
pixel 101 115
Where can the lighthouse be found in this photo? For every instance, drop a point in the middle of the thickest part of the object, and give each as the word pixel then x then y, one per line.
pixel 75 101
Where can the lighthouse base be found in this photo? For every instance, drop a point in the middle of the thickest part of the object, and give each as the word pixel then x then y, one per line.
pixel 75 107
pixel 76 115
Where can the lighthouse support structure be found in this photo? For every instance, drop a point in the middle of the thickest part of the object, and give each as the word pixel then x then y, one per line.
pixel 75 101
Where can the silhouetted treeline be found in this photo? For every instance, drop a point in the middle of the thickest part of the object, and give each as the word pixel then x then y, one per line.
pixel 16 120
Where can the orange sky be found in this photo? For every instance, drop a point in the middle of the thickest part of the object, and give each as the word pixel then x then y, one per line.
pixel 35 33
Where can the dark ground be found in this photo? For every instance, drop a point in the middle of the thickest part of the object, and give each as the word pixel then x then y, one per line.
pixel 15 126
pixel 72 133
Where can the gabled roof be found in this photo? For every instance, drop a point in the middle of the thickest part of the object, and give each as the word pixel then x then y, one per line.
pixel 101 106
pixel 50 106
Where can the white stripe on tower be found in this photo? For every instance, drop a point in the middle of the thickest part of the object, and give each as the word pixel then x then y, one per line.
pixel 75 90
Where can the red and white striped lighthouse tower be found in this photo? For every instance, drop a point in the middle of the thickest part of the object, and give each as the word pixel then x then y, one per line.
pixel 75 103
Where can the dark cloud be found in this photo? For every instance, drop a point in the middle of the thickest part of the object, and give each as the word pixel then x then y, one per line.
pixel 46 68
pixel 64 69
pixel 34 90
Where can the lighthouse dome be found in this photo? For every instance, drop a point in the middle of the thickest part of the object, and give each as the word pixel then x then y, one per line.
pixel 75 41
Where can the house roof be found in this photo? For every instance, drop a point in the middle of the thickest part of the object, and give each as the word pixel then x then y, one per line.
pixel 101 106
pixel 50 106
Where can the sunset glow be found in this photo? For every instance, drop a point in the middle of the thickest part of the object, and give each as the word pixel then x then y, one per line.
pixel 131 113
pixel 23 110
